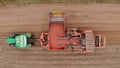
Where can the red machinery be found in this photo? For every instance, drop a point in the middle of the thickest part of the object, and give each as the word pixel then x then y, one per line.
pixel 60 38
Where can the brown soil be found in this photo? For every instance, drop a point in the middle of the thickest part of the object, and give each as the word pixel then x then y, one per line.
pixel 33 18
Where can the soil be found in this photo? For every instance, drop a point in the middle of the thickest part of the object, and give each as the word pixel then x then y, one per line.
pixel 101 18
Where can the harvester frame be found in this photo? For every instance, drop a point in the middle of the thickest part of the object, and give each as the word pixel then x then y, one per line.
pixel 60 38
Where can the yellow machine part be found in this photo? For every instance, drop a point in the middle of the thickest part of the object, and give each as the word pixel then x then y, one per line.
pixel 57 14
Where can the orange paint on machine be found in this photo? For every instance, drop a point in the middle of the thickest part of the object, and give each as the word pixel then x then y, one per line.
pixel 59 37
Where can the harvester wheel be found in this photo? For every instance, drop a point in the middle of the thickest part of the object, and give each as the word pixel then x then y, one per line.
pixel 69 36
pixel 78 31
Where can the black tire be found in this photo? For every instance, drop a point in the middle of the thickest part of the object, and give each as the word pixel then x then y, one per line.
pixel 13 35
pixel 31 41
pixel 69 36
pixel 32 36
pixel 96 41
pixel 12 45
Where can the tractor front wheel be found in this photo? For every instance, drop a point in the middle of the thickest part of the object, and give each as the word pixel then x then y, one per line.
pixel 12 45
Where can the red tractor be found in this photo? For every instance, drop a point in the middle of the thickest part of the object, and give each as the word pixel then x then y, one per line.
pixel 61 38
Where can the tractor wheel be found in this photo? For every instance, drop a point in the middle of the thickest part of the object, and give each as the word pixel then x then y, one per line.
pixel 32 36
pixel 12 45
pixel 13 35
pixel 31 41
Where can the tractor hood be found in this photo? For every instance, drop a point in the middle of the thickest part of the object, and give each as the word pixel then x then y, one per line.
pixel 10 40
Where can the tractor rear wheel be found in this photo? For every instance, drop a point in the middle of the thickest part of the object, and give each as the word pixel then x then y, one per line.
pixel 32 36
pixel 13 35
pixel 31 41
